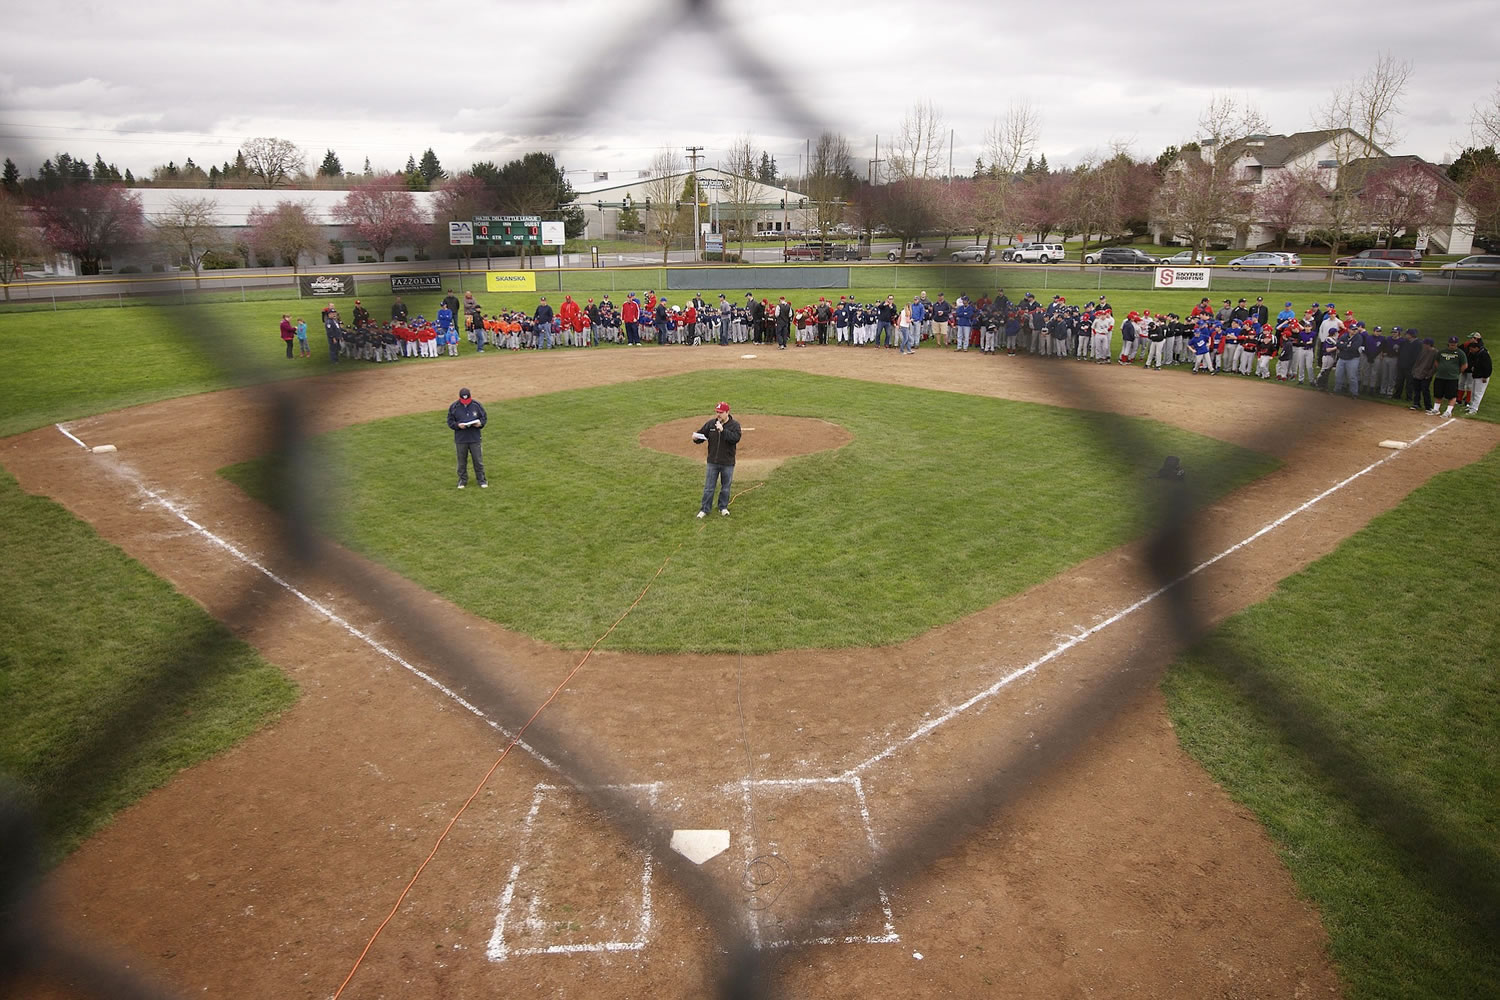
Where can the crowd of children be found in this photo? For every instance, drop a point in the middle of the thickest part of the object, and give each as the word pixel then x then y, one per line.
pixel 1317 347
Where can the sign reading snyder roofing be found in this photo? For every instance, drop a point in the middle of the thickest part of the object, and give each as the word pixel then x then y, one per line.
pixel 510 281
pixel 322 285
pixel 425 282
pixel 1181 277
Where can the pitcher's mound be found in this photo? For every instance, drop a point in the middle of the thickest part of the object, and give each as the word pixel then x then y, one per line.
pixel 766 440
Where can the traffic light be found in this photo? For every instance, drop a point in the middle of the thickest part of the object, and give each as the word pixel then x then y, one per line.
pixel 783 203
pixel 600 204
pixel 801 202
pixel 648 203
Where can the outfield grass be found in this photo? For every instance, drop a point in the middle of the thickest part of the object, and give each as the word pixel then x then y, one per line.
pixel 110 681
pixel 943 504
pixel 1357 712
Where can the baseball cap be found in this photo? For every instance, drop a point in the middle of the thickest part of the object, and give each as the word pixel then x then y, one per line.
pixel 722 408
pixel 1452 340
pixel 463 394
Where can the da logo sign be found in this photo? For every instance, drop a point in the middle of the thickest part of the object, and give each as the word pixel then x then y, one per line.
pixel 1181 277
pixel 509 281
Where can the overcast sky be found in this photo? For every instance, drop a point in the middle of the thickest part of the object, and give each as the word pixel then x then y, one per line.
pixel 605 84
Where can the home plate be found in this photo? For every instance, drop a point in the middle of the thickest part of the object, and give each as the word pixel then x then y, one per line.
pixel 747 355
pixel 102 449
pixel 1398 445
pixel 700 845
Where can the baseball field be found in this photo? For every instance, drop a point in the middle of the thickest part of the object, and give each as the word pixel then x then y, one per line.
pixel 973 703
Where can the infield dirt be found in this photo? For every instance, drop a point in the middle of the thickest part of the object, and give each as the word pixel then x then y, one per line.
pixel 262 873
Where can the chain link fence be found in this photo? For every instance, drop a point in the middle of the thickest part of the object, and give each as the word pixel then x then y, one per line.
pixel 33 945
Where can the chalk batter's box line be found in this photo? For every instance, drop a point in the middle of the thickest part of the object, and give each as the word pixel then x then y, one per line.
pixel 498 950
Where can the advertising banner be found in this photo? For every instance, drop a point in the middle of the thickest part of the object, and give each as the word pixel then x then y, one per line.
pixel 1181 277
pixel 426 282
pixel 320 286
pixel 510 281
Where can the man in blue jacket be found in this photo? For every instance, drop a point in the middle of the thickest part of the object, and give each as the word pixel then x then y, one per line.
pixel 467 419
pixel 543 320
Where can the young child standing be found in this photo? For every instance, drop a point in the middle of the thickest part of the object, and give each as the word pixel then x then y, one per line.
pixel 302 337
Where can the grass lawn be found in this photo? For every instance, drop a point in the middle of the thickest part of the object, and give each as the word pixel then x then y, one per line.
pixel 110 681
pixel 943 504
pixel 1367 737
pixel 76 362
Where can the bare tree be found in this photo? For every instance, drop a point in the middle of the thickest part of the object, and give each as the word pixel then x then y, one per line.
pixel 906 207
pixel 1009 142
pixel 1486 121
pixel 188 229
pixel 382 213
pixel 663 185
pixel 458 199
pixel 287 231
pixel 740 187
pixel 919 143
pixel 90 221
pixel 1200 198
pixel 1364 117
pixel 18 239
pixel 829 178
pixel 1403 199
pixel 273 162
pixel 1292 201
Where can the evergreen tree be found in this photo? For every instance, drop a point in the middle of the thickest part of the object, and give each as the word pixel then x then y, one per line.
pixel 129 178
pixel 1461 169
pixel 978 167
pixel 766 172
pixel 331 167
pixel 411 165
pixel 213 176
pixel 1041 166
pixel 1030 167
pixel 430 167
pixel 11 179
pixel 414 179
pixel 368 171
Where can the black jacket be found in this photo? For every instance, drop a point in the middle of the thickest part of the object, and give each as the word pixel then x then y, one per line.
pixel 1480 364
pixel 461 413
pixel 1411 349
pixel 721 444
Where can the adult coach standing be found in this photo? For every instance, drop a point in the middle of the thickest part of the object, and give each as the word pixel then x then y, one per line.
pixel 722 434
pixel 467 418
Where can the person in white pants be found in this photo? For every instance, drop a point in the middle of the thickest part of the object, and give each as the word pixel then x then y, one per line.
pixel 1480 367
pixel 1104 326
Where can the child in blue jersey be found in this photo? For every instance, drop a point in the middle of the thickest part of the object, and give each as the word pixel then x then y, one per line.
pixel 302 337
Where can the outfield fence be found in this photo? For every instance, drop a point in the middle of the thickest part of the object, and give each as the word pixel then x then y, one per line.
pixel 971 279
pixel 1174 555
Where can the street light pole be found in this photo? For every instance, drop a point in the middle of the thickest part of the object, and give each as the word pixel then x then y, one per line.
pixel 693 153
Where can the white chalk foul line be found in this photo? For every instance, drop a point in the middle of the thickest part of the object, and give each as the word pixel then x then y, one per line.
pixel 177 511
pixel 70 437
pixel 1083 636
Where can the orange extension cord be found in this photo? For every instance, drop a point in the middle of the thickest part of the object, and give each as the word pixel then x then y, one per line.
pixel 501 759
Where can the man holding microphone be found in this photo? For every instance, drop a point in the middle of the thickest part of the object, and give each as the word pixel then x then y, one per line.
pixel 722 434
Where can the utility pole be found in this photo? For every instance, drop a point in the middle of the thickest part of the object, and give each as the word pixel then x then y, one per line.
pixel 873 174
pixel 950 156
pixel 693 152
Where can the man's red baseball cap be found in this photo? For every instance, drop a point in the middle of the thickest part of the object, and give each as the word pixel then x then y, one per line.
pixel 722 408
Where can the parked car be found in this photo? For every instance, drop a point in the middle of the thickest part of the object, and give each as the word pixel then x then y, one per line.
pixel 1478 266
pixel 1262 260
pixel 975 252
pixel 1038 253
pixel 1127 256
pixel 1379 270
pixel 1186 258
pixel 1291 259
pixel 1404 258
pixel 914 251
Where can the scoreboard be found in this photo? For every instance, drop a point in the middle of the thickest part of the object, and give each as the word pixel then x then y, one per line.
pixel 508 230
